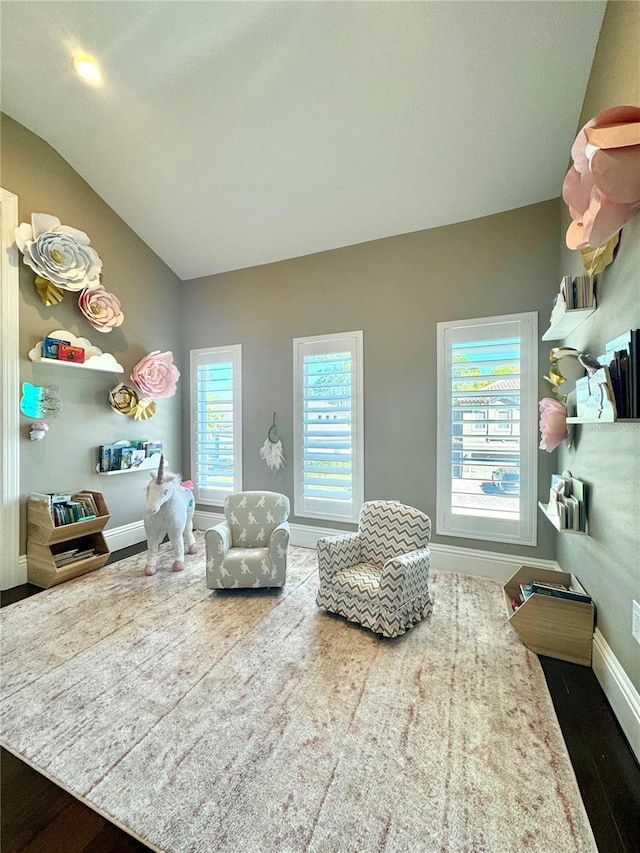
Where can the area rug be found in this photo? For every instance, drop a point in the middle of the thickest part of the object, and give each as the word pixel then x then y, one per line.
pixel 251 721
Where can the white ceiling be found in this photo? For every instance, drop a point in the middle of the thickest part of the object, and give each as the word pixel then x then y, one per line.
pixel 230 134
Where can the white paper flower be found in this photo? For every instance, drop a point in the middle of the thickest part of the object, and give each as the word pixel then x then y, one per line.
pixel 59 253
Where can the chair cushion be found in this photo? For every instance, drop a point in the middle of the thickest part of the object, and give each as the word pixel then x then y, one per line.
pixel 244 566
pixel 253 516
pixel 362 580
pixel 388 529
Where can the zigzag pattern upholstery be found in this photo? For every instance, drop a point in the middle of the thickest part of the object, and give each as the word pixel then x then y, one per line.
pixel 379 576
pixel 249 548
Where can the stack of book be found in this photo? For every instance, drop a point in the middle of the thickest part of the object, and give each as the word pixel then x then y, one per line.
pixel 622 357
pixel 577 291
pixel 73 555
pixel 556 590
pixel 567 502
pixel 68 508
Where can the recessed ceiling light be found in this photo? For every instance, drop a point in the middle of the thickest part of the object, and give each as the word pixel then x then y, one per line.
pixel 88 70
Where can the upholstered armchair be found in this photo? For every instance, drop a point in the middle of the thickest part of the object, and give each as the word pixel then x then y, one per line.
pixel 379 576
pixel 249 548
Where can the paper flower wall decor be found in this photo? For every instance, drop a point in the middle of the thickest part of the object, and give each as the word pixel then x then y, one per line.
pixel 553 423
pixel 125 401
pixel 58 253
pixel 602 188
pixel 156 375
pixel 101 308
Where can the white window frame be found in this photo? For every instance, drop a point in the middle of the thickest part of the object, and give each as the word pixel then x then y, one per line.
pixel 523 532
pixel 311 507
pixel 217 355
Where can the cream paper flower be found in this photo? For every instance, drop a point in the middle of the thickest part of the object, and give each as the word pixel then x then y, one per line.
pixel 58 253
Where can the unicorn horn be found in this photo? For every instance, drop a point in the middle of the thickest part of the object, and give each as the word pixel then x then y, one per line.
pixel 160 476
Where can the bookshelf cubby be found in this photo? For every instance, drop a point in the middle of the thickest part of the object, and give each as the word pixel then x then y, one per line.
pixel 556 627
pixel 45 541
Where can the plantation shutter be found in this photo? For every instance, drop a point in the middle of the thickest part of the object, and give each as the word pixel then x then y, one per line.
pixel 328 445
pixel 216 404
pixel 486 438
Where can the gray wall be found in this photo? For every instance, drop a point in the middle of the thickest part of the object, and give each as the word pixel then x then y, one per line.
pixel 148 290
pixel 395 290
pixel 608 457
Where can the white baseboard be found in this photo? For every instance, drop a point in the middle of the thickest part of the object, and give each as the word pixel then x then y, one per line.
pixel 484 564
pixel 19 575
pixel 125 535
pixel 444 558
pixel 620 692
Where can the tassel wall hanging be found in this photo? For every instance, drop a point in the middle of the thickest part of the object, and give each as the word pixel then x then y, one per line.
pixel 271 451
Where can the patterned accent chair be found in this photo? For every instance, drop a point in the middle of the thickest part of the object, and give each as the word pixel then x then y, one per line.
pixel 379 576
pixel 249 548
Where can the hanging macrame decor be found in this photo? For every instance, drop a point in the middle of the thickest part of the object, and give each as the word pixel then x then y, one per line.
pixel 271 451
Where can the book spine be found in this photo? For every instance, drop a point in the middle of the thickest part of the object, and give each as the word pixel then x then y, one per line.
pixel 567 594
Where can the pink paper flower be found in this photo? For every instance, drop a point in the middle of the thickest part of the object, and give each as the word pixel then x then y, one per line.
pixel 101 308
pixel 156 375
pixel 602 188
pixel 553 423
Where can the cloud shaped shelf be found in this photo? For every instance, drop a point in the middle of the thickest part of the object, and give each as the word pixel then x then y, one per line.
pixel 94 358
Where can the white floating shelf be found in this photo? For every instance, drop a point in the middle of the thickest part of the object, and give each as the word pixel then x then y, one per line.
pixel 617 421
pixel 94 358
pixel 567 323
pixel 554 519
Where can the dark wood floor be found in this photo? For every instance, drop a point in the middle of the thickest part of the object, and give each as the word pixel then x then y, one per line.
pixel 39 817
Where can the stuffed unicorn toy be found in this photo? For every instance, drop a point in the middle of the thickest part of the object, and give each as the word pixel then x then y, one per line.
pixel 168 510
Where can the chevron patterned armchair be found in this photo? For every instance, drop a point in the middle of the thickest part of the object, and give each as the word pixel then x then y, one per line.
pixel 249 548
pixel 379 576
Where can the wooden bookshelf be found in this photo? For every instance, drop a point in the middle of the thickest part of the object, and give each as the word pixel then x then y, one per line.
pixel 556 627
pixel 45 540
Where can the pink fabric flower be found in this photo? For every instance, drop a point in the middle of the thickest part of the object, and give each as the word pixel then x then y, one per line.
pixel 602 188
pixel 101 308
pixel 553 423
pixel 156 375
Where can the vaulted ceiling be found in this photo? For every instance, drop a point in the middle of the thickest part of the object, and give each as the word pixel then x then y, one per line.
pixel 230 134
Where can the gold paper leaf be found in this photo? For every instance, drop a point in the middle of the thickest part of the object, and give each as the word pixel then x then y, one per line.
pixel 595 260
pixel 145 409
pixel 48 292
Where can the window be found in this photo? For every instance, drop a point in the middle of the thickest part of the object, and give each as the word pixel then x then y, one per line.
pixel 216 426
pixel 328 413
pixel 487 422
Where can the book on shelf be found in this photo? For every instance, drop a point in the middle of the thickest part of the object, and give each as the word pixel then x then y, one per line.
pixel 560 591
pixel 525 591
pixel 548 588
pixel 70 512
pixel 567 496
pixel 622 357
pixel 124 456
pixel 50 347
pixel 89 502
pixel 74 557
pixel 575 292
